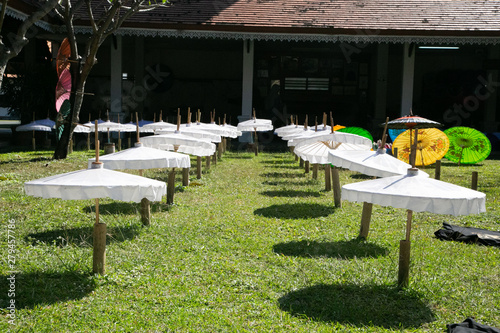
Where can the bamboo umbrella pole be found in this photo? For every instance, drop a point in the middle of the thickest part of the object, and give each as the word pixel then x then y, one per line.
pixel 328 179
pixel 99 234
pixel 437 170
pixel 185 176
pixel 171 187
pixel 315 171
pixel 145 212
pixel 365 220
pixel 336 187
pixel 198 167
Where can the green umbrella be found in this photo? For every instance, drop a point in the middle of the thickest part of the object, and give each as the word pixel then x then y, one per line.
pixel 358 131
pixel 467 145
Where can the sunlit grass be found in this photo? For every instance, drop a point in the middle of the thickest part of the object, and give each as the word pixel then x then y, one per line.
pixel 258 247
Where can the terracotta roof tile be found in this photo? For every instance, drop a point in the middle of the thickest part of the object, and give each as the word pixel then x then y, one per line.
pixel 416 15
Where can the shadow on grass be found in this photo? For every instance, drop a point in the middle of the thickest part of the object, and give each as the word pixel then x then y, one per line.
pixel 341 250
pixel 282 175
pixel 22 160
pixel 295 211
pixel 126 208
pixel 241 157
pixel 277 162
pixel 82 237
pixel 291 193
pixel 41 289
pixel 288 182
pixel 368 305
pixel 361 176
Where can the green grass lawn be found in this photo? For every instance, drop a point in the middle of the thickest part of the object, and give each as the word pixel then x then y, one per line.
pixel 257 247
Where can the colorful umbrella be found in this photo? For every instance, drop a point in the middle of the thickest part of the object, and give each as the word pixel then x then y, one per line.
pixel 432 145
pixel 393 133
pixel 355 130
pixel 412 122
pixel 63 88
pixel 62 59
pixel 467 145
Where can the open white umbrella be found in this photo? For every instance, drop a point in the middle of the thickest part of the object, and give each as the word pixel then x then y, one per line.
pixel 372 163
pixel 152 127
pixel 418 194
pixel 94 183
pixel 255 125
pixel 141 158
pixel 33 127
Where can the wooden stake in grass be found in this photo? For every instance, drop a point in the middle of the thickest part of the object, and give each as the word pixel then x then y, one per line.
pixel 336 188
pixel 328 178
pixel 365 220
pixel 437 170
pixel 171 187
pixel 185 176
pixel 198 167
pixel 145 212
pixel 474 180
pixel 315 171
pixel 99 234
pixel 404 255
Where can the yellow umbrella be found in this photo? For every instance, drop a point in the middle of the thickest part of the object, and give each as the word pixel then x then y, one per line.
pixel 432 145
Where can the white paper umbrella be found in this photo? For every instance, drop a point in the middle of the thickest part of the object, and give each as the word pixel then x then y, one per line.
pixel 107 126
pixel 81 129
pixel 197 147
pixel 47 122
pixel 233 130
pixel 337 139
pixel 159 125
pixel 255 124
pixel 195 132
pixel 419 194
pixel 141 158
pixel 33 126
pixel 372 163
pixel 96 182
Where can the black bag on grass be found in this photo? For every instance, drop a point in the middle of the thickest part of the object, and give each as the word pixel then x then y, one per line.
pixel 471 326
pixel 468 235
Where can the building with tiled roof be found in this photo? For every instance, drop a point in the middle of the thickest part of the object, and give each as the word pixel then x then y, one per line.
pixel 361 60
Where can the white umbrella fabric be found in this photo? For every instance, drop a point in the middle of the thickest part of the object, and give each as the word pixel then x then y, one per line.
pixel 33 126
pixel 156 126
pixel 187 144
pixel 141 158
pixel 94 183
pixel 372 163
pixel 195 132
pixel 255 125
pixel 419 194
pixel 46 122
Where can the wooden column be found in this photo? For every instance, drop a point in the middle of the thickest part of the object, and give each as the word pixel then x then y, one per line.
pixel 306 167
